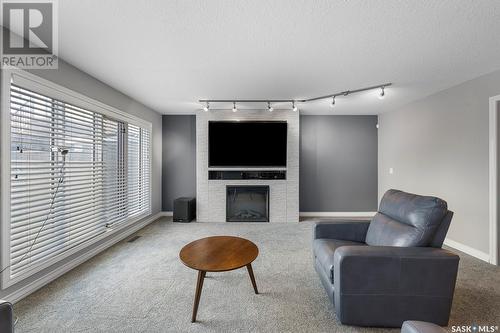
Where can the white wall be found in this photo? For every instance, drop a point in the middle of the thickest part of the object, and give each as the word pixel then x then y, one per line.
pixel 439 146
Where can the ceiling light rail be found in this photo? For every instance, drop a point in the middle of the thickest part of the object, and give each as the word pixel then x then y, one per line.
pixel 294 101
pixel 348 92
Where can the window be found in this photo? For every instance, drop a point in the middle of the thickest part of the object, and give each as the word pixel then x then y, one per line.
pixel 75 174
pixel 138 167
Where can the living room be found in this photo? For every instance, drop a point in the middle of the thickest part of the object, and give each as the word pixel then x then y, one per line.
pixel 278 166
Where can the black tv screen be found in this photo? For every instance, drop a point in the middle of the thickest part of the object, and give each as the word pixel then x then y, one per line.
pixel 247 143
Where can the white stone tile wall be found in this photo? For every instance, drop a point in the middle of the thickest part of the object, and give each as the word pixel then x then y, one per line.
pixel 211 194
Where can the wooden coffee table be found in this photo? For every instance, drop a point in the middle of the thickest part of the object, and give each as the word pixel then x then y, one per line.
pixel 218 254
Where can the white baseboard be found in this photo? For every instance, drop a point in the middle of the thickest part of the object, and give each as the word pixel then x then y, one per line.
pixel 337 214
pixel 467 249
pixel 33 286
pixel 166 213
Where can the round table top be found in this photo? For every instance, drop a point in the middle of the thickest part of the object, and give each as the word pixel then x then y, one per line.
pixel 218 253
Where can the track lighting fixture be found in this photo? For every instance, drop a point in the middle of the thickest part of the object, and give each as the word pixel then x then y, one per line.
pixel 345 93
pixel 332 104
pixel 382 93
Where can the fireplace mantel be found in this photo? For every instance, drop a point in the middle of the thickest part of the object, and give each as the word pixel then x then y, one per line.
pixel 283 193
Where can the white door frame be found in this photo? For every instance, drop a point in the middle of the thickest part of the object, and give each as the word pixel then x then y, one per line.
pixel 493 181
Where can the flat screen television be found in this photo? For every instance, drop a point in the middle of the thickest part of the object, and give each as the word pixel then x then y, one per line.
pixel 247 144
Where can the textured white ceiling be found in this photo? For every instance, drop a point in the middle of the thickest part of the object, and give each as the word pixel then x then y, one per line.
pixel 168 54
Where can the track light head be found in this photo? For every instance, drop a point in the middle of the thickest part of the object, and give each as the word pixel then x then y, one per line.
pixel 234 107
pixel 332 104
pixel 382 93
pixel 269 107
pixel 206 107
pixel 294 107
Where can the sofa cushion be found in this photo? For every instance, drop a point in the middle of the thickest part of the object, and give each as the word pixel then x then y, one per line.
pixel 324 249
pixel 406 219
pixel 414 326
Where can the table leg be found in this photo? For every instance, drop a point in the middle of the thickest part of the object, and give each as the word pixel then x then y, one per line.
pixel 199 286
pixel 250 272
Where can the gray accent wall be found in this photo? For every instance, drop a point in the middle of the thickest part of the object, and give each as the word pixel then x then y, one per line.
pixel 439 146
pixel 338 163
pixel 178 158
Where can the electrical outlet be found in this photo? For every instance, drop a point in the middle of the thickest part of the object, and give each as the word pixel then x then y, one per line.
pixel 391 171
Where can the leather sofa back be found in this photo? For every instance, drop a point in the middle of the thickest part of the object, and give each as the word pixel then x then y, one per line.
pixel 406 219
pixel 6 323
pixel 441 232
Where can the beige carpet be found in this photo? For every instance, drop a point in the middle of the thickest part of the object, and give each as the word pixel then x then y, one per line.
pixel 143 287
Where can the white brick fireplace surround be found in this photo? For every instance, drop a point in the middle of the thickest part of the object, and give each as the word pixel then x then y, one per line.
pixel 283 194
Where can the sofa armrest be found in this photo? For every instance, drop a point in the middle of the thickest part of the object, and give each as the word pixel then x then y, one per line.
pixel 344 230
pixel 395 270
pixel 6 321
pixel 392 284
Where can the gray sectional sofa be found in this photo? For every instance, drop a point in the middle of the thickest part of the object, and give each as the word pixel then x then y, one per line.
pixel 6 321
pixel 392 268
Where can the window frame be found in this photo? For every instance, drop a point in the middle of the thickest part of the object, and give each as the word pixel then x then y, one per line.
pixel 55 91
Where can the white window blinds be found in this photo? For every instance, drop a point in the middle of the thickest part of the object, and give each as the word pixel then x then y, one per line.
pixel 74 173
pixel 138 185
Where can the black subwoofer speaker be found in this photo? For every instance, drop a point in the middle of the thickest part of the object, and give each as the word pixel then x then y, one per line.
pixel 184 209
